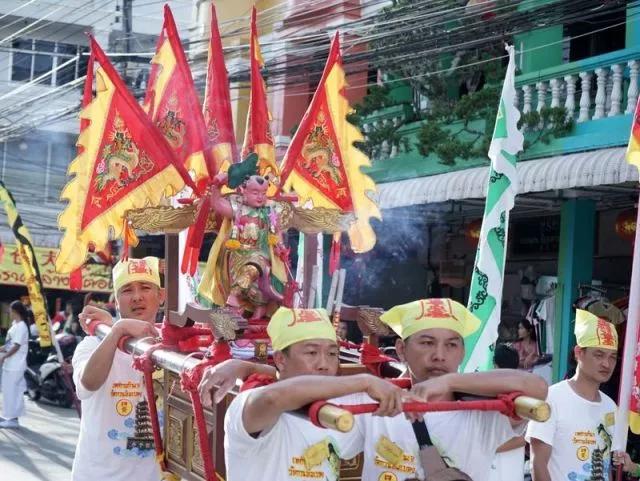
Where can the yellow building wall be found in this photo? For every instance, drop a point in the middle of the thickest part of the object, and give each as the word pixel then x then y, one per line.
pixel 233 19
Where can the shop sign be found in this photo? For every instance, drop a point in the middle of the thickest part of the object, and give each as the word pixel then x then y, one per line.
pixel 95 277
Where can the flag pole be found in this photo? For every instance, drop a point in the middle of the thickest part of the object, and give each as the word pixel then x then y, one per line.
pixel 627 376
pixel 485 296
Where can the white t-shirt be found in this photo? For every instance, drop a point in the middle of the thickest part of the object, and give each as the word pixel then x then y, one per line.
pixel 115 442
pixel 508 466
pixel 466 440
pixel 579 432
pixel 33 330
pixel 294 449
pixel 18 334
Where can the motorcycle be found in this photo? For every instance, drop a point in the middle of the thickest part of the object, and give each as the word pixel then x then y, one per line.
pixel 45 374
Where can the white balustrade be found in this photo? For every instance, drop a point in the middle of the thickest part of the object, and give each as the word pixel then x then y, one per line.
pixel 616 90
pixel 385 150
pixel 556 86
pixel 632 93
pixel 585 96
pixel 570 102
pixel 601 95
pixel 612 97
pixel 608 89
pixel 542 93
pixel 526 92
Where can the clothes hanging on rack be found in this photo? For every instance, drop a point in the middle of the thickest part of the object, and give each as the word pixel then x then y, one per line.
pixel 542 315
pixel 596 303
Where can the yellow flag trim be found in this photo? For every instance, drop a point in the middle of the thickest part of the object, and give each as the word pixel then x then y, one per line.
pixel 75 242
pixel 361 186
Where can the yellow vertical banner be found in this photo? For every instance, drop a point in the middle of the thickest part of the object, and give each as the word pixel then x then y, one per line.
pixel 29 263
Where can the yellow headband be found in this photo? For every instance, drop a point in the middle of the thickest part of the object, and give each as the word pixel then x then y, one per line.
pixel 132 270
pixel 288 326
pixel 593 331
pixel 407 319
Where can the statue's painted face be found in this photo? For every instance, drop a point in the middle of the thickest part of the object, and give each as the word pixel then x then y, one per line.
pixel 254 191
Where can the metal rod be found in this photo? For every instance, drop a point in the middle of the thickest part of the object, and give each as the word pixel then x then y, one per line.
pixel 173 361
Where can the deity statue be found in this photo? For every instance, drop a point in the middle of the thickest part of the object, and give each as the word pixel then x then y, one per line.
pixel 246 266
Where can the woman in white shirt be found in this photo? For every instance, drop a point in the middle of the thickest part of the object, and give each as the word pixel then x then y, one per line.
pixel 13 356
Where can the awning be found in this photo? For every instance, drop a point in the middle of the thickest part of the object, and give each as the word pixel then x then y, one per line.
pixel 584 169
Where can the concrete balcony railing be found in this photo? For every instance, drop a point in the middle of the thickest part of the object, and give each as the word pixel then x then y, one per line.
pixel 590 89
pixel 393 117
pixel 599 87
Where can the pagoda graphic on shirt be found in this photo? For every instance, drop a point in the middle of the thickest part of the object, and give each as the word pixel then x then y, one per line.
pixel 143 435
pixel 598 467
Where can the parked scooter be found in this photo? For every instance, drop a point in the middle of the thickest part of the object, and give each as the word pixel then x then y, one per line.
pixel 45 376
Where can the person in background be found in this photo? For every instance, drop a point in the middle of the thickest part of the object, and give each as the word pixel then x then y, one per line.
pixel 74 327
pixel 575 443
pixel 628 466
pixel 60 317
pixel 526 345
pixel 505 357
pixel 343 331
pixel 31 322
pixel 508 464
pixel 13 356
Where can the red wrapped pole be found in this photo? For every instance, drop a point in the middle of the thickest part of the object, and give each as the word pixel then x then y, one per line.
pixel 513 405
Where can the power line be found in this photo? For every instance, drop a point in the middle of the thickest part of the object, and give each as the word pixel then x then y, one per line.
pixel 20 128
pixel 306 67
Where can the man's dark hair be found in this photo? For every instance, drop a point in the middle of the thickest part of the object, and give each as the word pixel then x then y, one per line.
pixel 506 357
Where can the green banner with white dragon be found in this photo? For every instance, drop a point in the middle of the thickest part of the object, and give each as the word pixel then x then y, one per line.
pixel 485 297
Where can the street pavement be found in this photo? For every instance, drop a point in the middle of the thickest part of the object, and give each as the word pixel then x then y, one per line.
pixel 42 448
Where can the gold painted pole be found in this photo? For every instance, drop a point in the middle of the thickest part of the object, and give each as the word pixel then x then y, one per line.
pixel 334 417
pixel 531 408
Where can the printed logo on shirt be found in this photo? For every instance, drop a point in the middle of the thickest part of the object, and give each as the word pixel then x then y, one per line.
pixel 387 476
pixel 124 407
pixel 306 466
pixel 391 456
pixel 123 391
pixel 584 437
pixel 595 451
pixel 609 419
pixel 139 443
pixel 126 389
pixel 134 437
pixel 582 453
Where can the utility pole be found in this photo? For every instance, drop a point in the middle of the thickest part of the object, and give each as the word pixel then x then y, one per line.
pixel 127 29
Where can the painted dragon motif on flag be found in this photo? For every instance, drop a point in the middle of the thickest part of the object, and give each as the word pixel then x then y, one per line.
pixel 123 163
pixel 320 158
pixel 322 165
